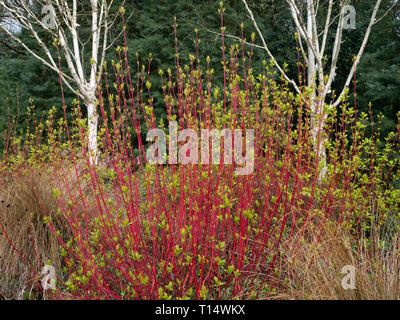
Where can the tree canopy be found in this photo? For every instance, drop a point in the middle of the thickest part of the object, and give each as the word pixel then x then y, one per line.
pixel 150 31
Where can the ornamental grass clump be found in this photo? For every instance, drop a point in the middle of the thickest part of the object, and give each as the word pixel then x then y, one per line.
pixel 27 243
pixel 193 230
pixel 313 270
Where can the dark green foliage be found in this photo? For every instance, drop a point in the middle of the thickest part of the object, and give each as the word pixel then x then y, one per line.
pixel 379 71
pixel 150 30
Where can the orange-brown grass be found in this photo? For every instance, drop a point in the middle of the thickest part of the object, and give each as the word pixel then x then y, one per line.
pixel 26 201
pixel 313 266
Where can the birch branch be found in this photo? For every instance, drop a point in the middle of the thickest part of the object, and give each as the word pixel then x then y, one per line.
pixel 268 51
pixel 360 52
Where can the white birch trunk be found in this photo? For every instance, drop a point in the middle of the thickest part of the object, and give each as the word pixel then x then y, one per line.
pixel 316 107
pixel 308 32
pixel 92 131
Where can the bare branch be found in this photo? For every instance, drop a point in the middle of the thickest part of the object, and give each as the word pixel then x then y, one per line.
pixel 387 12
pixel 360 52
pixel 326 29
pixel 269 52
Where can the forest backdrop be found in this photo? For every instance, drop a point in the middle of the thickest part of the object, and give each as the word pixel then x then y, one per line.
pixel 25 81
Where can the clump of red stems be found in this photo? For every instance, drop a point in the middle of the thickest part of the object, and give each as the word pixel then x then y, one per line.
pixel 142 231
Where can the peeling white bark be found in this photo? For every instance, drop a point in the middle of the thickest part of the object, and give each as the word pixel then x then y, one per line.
pixel 66 13
pixel 319 80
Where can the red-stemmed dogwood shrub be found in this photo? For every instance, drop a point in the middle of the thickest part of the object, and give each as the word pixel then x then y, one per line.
pixel 133 229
